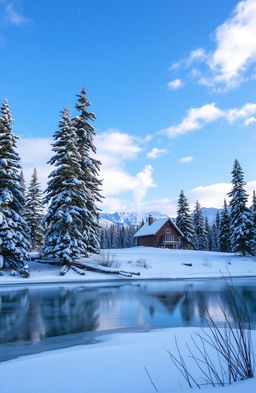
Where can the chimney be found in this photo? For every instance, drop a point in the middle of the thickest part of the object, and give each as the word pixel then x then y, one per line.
pixel 150 220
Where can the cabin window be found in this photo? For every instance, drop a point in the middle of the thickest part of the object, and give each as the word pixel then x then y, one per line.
pixel 167 231
pixel 169 238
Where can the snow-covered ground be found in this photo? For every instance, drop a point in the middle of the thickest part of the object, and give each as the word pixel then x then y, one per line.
pixel 115 365
pixel 151 263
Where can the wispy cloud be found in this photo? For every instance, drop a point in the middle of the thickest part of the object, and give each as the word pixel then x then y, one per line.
pixel 197 118
pixel 185 160
pixel 234 53
pixel 175 84
pixel 156 152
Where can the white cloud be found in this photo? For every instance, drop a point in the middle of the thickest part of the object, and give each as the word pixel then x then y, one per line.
pixel 184 160
pixel 244 112
pixel 235 45
pixel 209 196
pixel 249 121
pixel 144 181
pixel 197 118
pixel 114 150
pixel 234 52
pixel 34 153
pixel 212 195
pixel 198 54
pixel 175 84
pixel 155 152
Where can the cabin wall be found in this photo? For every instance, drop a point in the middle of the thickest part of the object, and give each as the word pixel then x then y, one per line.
pixel 146 241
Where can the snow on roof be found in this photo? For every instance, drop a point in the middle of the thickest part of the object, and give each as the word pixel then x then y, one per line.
pixel 152 229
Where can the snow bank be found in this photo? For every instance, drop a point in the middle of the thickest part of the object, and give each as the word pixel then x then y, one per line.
pixel 151 263
pixel 115 365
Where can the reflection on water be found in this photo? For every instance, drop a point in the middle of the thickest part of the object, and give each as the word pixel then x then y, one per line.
pixel 33 320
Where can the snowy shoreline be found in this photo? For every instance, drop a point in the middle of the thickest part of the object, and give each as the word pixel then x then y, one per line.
pixel 152 263
pixel 135 350
pixel 26 282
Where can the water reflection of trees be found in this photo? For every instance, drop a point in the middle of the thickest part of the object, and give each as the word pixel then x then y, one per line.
pixel 31 316
pixel 192 304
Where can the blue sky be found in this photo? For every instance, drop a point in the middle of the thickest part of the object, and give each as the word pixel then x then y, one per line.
pixel 144 64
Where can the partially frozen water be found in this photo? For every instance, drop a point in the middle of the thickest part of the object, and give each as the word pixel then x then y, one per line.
pixel 37 319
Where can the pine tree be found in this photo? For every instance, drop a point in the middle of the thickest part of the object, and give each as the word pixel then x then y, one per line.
pixel 22 181
pixel 23 190
pixel 34 212
pixel 253 207
pixel 224 230
pixel 90 169
pixel 184 222
pixel 241 217
pixel 14 232
pixel 201 240
pixel 217 230
pixel 213 238
pixel 208 233
pixel 66 237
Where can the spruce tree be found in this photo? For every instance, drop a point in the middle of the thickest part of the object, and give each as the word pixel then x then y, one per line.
pixel 184 222
pixel 14 232
pixel 208 233
pixel 217 230
pixel 66 236
pixel 253 208
pixel 201 239
pixel 34 212
pixel 241 217
pixel 213 238
pixel 224 230
pixel 90 169
pixel 22 181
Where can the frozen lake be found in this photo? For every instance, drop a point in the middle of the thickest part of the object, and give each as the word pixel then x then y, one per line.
pixel 37 319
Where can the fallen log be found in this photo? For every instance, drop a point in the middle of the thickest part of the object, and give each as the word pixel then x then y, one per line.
pixel 102 269
pixel 90 266
pixel 78 270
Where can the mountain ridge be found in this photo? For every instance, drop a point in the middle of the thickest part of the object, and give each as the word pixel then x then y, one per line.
pixel 134 218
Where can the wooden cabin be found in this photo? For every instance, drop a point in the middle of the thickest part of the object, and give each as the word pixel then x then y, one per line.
pixel 161 232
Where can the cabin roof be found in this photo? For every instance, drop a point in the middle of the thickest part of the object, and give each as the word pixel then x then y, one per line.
pixel 147 230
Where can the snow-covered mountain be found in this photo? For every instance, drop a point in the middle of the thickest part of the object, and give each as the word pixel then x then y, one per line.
pixel 210 213
pixel 127 218
pixel 134 218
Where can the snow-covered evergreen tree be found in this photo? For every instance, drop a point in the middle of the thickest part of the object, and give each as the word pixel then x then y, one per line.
pixel 67 194
pixel 241 217
pixel 90 169
pixel 117 236
pixel 208 230
pixel 23 190
pixel 14 232
pixel 201 239
pixel 34 212
pixel 213 246
pixel 253 207
pixel 22 181
pixel 217 230
pixel 184 222
pixel 224 230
